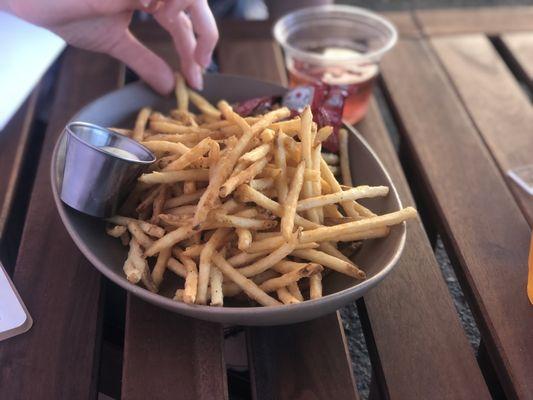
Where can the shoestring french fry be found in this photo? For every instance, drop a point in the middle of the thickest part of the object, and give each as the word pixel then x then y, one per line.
pixel 345 195
pixel 291 202
pixel 140 124
pixel 182 96
pixel 116 231
pixel 247 285
pixel 286 297
pixel 242 207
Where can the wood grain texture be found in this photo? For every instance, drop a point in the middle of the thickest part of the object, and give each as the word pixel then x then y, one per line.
pixel 14 140
pixel 482 225
pixel 413 320
pixel 490 20
pixel 56 359
pixel 325 333
pixel 520 45
pixel 301 361
pixel 498 106
pixel 167 356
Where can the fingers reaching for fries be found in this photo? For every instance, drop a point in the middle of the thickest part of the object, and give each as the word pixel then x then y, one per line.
pixel 240 208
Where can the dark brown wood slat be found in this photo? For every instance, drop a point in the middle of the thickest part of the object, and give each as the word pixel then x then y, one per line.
pixel 482 226
pixel 14 140
pixel 56 359
pixel 291 347
pixel 301 361
pixel 500 109
pixel 520 45
pixel 413 320
pixel 490 20
pixel 167 356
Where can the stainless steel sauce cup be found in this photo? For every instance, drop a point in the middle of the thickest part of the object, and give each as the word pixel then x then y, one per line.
pixel 95 180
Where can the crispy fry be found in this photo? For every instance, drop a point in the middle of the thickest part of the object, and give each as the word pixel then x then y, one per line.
pixel 324 133
pixel 215 281
pixel 289 211
pixel 147 228
pixel 116 231
pixel 232 289
pixel 244 238
pixel 262 183
pixel 175 176
pixel 205 262
pixel 332 262
pixel 158 204
pixel 317 185
pixel 268 135
pixel 135 264
pixel 277 255
pixel 240 259
pixel 242 177
pixel 256 154
pixel 294 290
pixel 177 267
pixel 243 222
pixel 140 124
pixel 169 240
pixel 139 235
pixel 274 242
pixel 165 147
pixel 182 96
pixel 247 285
pixel 190 156
pixel 246 193
pixel 191 280
pixel 286 297
pixel 183 199
pixel 330 232
pixel 315 286
pixel 160 266
pixel 281 163
pixel 290 277
pixel 202 104
pixel 358 192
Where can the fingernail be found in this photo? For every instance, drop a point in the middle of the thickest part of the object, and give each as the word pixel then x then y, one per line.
pixel 205 60
pixel 196 78
pixel 145 3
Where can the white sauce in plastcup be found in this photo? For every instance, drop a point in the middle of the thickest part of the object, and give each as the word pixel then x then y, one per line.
pixel 120 153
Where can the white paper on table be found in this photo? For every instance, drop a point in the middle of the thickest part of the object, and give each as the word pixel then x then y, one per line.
pixel 26 52
pixel 14 318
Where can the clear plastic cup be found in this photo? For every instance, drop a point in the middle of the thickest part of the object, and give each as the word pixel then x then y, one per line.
pixel 336 45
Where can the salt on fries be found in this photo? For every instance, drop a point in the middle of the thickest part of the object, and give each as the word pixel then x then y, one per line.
pixel 239 206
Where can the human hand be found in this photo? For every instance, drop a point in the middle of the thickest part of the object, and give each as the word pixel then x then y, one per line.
pixel 102 26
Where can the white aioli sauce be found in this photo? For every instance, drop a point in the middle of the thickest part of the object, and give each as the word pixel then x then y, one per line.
pixel 121 153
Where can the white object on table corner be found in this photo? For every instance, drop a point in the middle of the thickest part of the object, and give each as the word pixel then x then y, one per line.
pixel 14 317
pixel 26 52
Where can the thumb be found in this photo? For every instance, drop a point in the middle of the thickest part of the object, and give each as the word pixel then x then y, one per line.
pixel 150 67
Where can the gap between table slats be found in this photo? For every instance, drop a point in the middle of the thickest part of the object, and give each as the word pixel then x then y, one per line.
pixel 520 47
pixel 58 357
pixel 481 224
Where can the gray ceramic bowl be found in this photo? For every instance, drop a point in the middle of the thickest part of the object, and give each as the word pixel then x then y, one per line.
pixel 119 108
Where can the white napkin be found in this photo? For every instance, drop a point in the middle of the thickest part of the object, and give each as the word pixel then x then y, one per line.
pixel 26 52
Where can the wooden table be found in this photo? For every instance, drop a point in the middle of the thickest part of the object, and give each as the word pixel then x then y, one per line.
pixel 456 87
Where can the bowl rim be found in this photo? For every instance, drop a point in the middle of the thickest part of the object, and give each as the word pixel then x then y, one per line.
pixel 209 311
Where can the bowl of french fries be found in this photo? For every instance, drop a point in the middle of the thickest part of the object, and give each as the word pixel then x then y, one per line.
pixel 241 220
